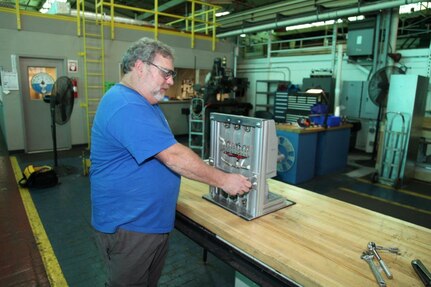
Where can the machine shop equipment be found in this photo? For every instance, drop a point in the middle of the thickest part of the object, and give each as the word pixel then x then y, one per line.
pixel 222 93
pixel 248 146
pixel 221 86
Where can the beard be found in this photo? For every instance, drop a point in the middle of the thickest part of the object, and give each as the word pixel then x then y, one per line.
pixel 158 96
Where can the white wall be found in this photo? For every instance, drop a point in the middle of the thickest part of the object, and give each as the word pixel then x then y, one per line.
pixel 57 38
pixel 296 68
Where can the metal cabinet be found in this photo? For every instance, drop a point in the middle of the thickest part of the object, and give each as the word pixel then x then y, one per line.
pixel 265 94
pixel 356 102
pixel 350 99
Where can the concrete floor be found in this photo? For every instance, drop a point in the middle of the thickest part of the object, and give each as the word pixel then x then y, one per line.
pixel 64 212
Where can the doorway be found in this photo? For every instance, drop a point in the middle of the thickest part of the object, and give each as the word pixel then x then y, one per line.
pixel 37 115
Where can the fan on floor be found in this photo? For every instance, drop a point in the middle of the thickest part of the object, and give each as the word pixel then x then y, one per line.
pixel 61 105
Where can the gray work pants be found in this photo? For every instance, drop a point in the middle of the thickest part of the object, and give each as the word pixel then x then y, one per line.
pixel 132 258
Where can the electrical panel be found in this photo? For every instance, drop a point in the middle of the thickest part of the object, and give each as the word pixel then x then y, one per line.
pixel 355 101
pixel 350 98
pixel 360 39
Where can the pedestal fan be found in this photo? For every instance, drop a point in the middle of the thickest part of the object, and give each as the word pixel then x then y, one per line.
pixel 378 86
pixel 61 105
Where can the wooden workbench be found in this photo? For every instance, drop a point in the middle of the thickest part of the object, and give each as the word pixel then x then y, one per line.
pixel 316 242
pixel 313 129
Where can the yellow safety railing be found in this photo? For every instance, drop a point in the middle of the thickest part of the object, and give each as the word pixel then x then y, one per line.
pixel 201 23
pixel 204 15
pixel 18 16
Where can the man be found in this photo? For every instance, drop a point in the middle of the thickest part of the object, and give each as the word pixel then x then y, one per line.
pixel 136 166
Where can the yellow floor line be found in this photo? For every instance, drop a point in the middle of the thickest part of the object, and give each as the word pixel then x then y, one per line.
pixel 385 200
pixel 52 267
pixel 398 190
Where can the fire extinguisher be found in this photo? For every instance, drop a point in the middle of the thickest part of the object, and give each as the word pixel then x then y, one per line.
pixel 75 87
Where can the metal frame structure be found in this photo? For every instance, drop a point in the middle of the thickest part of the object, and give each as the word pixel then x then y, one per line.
pixel 248 146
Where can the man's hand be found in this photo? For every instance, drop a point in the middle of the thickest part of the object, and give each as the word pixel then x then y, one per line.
pixel 187 163
pixel 236 184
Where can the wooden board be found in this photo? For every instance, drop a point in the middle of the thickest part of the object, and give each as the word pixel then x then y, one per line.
pixel 316 242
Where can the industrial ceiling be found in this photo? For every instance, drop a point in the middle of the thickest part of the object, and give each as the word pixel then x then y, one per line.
pixel 253 16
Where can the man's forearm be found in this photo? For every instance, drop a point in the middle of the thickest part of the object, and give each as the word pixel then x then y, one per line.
pixel 185 162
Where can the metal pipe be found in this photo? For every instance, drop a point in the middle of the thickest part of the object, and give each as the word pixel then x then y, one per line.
pixel 376 45
pixel 263 71
pixel 321 17
pixel 429 63
pixel 266 69
pixel 337 91
pixel 235 57
pixel 394 31
pixel 334 43
pixel 388 17
pixel 269 48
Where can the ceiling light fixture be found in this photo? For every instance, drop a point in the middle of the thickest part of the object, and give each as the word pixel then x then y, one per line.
pixel 223 13
pixel 356 18
pixel 315 24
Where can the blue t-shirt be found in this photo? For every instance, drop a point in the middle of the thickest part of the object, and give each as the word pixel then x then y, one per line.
pixel 130 188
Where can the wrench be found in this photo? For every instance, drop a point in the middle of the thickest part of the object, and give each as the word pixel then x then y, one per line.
pixel 372 248
pixel 376 273
pixel 394 250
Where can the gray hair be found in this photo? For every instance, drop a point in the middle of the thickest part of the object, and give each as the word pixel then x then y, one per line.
pixel 145 49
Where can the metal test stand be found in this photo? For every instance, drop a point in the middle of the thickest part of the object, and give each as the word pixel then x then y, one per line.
pixel 248 146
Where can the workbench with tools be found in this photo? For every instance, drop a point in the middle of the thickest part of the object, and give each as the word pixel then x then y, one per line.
pixel 319 241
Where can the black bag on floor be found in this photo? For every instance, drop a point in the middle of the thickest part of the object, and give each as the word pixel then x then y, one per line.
pixel 38 177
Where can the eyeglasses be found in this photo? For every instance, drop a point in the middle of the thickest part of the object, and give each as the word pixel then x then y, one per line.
pixel 166 73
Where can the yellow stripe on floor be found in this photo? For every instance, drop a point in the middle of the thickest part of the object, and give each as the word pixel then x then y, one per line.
pixel 412 193
pixel 385 200
pixel 52 267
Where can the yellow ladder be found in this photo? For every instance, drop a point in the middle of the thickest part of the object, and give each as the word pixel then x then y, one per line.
pixel 93 57
pixel 197 126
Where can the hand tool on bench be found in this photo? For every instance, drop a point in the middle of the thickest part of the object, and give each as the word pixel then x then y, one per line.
pixel 369 258
pixel 394 250
pixel 372 248
pixel 422 272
